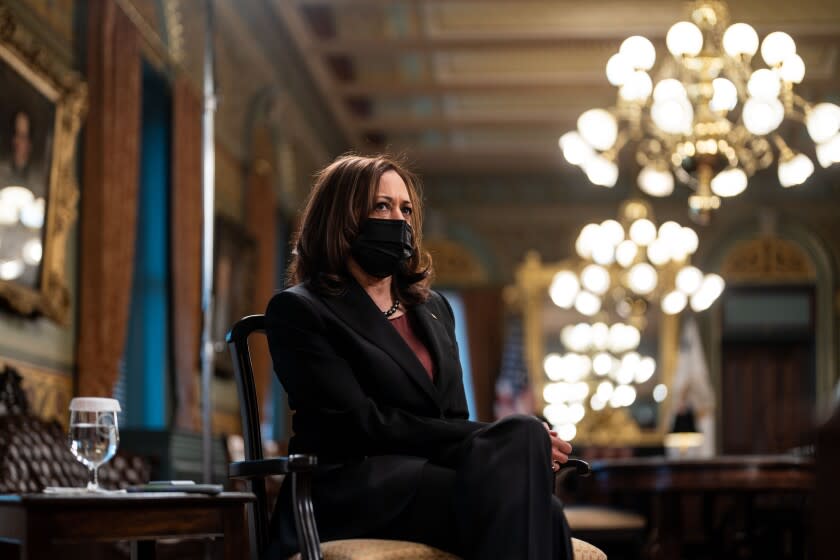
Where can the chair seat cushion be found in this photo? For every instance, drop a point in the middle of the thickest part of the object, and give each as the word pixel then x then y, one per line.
pixel 595 518
pixel 377 549
pixel 585 551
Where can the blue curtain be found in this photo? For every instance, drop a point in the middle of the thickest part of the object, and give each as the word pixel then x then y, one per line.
pixel 147 355
pixel 462 337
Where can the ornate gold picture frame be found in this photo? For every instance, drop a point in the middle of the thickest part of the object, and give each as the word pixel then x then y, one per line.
pixel 42 103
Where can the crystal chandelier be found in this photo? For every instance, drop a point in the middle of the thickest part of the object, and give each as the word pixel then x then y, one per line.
pixel 601 367
pixel 707 116
pixel 627 264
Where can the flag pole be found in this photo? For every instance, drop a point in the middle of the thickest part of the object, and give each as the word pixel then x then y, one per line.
pixel 208 190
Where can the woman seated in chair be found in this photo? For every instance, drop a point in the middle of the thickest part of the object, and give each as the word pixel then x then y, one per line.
pixel 367 353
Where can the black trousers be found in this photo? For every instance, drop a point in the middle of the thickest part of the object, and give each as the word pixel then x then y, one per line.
pixel 496 503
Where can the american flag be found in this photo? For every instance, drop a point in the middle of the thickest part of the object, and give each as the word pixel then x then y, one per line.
pixel 513 390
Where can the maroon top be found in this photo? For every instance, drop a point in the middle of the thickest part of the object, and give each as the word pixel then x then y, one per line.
pixel 403 326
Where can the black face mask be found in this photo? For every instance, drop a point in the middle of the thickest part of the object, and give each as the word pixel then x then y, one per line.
pixel 383 246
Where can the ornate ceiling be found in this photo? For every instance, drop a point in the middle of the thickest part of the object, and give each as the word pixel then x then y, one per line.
pixel 461 85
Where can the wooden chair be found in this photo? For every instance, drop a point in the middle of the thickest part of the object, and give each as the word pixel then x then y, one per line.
pixel 298 470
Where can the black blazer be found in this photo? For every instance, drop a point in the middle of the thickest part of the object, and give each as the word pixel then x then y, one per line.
pixel 364 403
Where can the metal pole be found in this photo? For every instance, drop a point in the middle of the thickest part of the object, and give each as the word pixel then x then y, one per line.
pixel 208 190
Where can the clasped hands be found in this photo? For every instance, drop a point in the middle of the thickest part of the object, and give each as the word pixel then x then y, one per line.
pixel 560 449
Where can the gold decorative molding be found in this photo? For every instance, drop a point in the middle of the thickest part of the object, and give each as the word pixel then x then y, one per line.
pixel 767 259
pixel 454 264
pixel 64 88
pixel 49 391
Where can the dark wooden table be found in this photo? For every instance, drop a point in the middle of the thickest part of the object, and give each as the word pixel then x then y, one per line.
pixel 42 523
pixel 665 483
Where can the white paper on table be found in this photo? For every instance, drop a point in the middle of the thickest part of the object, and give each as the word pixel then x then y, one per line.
pixel 75 490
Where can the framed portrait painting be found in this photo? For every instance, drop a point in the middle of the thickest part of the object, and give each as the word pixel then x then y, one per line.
pixel 41 107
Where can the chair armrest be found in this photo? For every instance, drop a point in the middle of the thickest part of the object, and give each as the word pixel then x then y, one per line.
pixel 576 466
pixel 262 468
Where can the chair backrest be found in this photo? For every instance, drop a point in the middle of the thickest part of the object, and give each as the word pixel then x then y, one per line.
pixel 237 340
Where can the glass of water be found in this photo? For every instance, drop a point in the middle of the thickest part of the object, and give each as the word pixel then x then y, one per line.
pixel 93 433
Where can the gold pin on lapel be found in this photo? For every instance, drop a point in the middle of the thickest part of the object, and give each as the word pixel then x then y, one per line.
pixel 433 315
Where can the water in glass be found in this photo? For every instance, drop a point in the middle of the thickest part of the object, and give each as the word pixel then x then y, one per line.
pixel 93 435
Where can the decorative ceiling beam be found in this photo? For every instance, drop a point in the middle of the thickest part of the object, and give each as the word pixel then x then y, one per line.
pixel 493 119
pixel 297 28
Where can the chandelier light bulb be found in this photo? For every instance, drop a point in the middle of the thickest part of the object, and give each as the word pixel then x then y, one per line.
pixel 8 214
pixel 586 240
pixel 673 116
pixel 600 334
pixel 619 339
pixel 587 303
pixel 612 232
pixel 688 279
pixel 709 291
pixel 637 87
pixel 822 121
pixel 828 152
pixel 658 252
pixel 576 412
pixel 689 240
pixel 596 279
pixel 655 181
pixel 603 252
pixel 667 89
pixel 598 128
pixel 32 214
pixel 619 69
pixel 11 269
pixel 645 369
pixel 793 69
pixel 575 149
pixel 670 232
pixel 684 39
pixel 16 197
pixel 564 288
pixel 553 366
pixel 795 171
pixel 725 96
pixel 575 337
pixel 642 278
pixel 617 398
pixel 597 403
pixel 32 252
pixel 642 232
pixel 620 397
pixel 623 338
pixel 729 182
pixel 602 363
pixel 764 84
pixel 776 47
pixel 639 52
pixel 626 253
pixel 674 302
pixel 763 116
pixel 566 432
pixel 605 389
pixel 740 39
pixel 601 171
pixel 631 361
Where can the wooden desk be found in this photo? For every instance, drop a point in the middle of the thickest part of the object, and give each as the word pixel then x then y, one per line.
pixel 41 523
pixel 665 483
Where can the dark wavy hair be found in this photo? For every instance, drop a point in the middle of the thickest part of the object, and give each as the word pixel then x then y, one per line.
pixel 342 198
